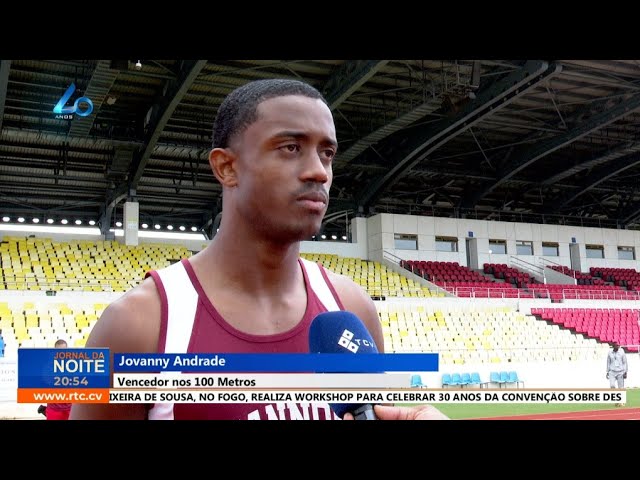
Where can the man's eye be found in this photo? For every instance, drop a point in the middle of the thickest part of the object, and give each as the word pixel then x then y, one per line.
pixel 291 148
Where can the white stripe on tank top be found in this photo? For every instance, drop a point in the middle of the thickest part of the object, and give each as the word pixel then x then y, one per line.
pixel 182 303
pixel 319 286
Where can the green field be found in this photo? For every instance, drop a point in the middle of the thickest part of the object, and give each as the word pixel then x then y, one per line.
pixel 459 411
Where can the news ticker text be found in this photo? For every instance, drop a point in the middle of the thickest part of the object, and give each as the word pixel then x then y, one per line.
pixel 412 396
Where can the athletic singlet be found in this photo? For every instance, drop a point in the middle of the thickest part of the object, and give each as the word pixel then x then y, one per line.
pixel 191 324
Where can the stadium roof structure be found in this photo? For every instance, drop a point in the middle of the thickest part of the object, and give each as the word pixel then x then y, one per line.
pixel 542 141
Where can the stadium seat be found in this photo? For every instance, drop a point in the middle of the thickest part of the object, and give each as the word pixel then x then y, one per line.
pixel 446 380
pixel 513 378
pixel 475 379
pixel 494 377
pixel 43 264
pixel 416 381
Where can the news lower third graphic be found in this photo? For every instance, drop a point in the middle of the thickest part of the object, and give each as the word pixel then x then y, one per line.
pixel 280 362
pixel 84 376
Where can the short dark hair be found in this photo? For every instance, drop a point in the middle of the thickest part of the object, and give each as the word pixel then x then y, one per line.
pixel 240 108
pixel 60 342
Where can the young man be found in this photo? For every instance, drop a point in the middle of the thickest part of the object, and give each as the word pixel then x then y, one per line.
pixel 249 291
pixel 56 411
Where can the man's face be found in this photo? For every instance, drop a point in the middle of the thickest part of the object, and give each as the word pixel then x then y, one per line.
pixel 615 347
pixel 284 168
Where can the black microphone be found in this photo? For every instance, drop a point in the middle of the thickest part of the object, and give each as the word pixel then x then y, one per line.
pixel 343 332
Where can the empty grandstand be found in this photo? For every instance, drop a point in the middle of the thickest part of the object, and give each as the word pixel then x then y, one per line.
pixel 60 290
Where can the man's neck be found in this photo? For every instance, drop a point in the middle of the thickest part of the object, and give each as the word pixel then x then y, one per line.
pixel 254 266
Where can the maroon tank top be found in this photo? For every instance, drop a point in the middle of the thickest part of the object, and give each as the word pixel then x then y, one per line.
pixel 190 323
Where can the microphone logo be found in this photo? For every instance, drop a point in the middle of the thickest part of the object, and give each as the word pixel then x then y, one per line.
pixel 345 341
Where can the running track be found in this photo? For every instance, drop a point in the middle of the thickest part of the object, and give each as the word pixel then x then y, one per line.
pixel 612 414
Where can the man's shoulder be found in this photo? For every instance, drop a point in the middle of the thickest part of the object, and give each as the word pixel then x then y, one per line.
pixel 352 295
pixel 167 270
pixel 355 299
pixel 343 283
pixel 138 299
pixel 348 290
pixel 132 322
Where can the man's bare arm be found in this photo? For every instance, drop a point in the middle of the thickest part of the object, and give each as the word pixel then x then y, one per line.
pixel 130 324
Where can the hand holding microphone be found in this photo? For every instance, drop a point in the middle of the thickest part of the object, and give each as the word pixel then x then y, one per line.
pixel 422 412
pixel 343 332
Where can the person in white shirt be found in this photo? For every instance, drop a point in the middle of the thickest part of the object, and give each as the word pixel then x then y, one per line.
pixel 616 366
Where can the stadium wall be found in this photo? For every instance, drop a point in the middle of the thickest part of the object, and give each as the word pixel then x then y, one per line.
pixel 382 228
pixel 354 249
pixel 351 250
pixel 57 237
pixel 372 236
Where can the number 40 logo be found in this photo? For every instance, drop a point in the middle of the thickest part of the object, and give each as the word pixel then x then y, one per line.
pixel 60 108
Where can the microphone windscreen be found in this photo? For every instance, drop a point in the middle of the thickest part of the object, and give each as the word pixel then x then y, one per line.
pixel 340 332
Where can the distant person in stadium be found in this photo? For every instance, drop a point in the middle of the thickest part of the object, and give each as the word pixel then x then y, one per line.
pixel 249 291
pixel 616 366
pixel 56 411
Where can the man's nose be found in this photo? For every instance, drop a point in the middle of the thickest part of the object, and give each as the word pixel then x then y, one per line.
pixel 315 169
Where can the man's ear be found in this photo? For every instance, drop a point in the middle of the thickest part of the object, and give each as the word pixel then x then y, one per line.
pixel 223 165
